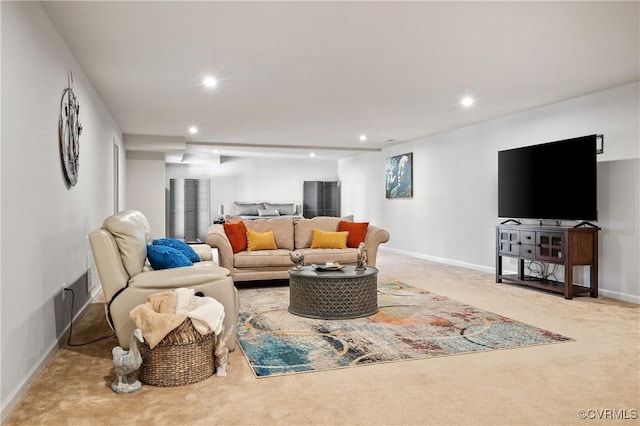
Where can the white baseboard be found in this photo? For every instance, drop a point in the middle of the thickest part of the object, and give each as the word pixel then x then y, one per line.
pixel 16 395
pixel 441 260
pixel 10 403
pixel 619 296
pixel 601 292
pixel 96 290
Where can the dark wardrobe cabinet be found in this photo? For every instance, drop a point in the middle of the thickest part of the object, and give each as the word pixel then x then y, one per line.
pixel 321 198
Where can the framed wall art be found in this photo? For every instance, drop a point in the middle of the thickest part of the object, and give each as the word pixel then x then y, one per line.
pixel 399 176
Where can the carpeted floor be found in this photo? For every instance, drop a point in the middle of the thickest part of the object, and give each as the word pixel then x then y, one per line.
pixel 411 324
pixel 539 385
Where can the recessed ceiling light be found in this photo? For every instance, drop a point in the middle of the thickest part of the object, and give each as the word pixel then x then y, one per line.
pixel 193 130
pixel 210 82
pixel 363 138
pixel 312 154
pixel 467 101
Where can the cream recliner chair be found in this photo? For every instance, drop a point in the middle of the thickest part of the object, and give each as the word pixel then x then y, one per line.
pixel 120 253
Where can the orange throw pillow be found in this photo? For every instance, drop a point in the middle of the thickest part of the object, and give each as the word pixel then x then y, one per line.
pixel 357 231
pixel 237 234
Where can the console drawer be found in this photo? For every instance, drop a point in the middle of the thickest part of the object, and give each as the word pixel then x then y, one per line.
pixel 528 237
pixel 528 251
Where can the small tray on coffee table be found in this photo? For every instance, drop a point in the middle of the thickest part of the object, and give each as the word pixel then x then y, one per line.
pixel 320 267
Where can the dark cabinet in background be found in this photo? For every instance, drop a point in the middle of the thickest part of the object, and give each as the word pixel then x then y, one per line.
pixel 189 209
pixel 321 198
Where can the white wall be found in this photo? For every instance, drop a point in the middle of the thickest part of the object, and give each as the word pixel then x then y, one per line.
pixel 44 224
pixel 256 179
pixel 145 188
pixel 453 212
pixel 362 192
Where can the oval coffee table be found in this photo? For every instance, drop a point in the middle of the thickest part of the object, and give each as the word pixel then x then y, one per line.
pixel 341 294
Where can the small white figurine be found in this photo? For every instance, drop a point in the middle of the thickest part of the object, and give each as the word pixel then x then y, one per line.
pixel 362 257
pixel 126 362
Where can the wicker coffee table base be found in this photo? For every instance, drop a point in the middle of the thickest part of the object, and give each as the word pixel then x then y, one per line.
pixel 333 297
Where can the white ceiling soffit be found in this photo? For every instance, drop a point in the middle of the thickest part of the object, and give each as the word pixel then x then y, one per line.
pixel 152 142
pixel 212 153
pixel 320 74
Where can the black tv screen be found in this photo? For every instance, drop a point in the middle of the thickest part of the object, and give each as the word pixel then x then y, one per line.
pixel 555 180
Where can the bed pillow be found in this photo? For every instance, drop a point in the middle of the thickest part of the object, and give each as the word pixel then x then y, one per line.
pixel 328 240
pixel 261 240
pixel 181 246
pixel 357 231
pixel 268 212
pixel 283 209
pixel 237 234
pixel 165 257
pixel 246 209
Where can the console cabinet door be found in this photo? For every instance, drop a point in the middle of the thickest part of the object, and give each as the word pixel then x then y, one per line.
pixel 509 242
pixel 551 246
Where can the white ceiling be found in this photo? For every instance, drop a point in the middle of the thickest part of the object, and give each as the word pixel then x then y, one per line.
pixel 305 76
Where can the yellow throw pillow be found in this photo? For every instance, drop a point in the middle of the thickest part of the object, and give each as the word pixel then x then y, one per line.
pixel 324 239
pixel 261 240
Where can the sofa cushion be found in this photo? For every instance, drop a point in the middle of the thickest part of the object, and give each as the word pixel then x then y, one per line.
pixel 329 240
pixel 232 218
pixel 344 256
pixel 263 259
pixel 282 227
pixel 261 240
pixel 132 233
pixel 165 257
pixel 357 231
pixel 304 229
pixel 237 235
pixel 181 246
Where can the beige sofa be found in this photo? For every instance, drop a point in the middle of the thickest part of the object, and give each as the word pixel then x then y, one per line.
pixel 290 234
pixel 120 251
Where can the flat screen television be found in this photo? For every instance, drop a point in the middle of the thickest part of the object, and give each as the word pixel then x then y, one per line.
pixel 552 181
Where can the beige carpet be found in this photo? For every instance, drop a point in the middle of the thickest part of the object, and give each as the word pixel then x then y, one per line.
pixel 599 373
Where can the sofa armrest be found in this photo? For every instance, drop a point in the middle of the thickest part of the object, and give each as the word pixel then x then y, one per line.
pixel 217 238
pixel 372 240
pixel 203 251
pixel 186 276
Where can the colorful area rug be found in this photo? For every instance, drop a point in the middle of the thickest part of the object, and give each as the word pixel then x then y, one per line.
pixel 411 324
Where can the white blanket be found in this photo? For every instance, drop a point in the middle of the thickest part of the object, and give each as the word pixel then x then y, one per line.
pixel 206 313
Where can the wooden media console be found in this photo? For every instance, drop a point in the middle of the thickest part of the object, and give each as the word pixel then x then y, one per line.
pixel 561 245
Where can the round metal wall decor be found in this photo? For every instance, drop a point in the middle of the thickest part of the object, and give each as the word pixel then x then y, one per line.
pixel 69 130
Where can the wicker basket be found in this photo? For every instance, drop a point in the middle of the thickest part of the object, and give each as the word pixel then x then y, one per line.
pixel 184 356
